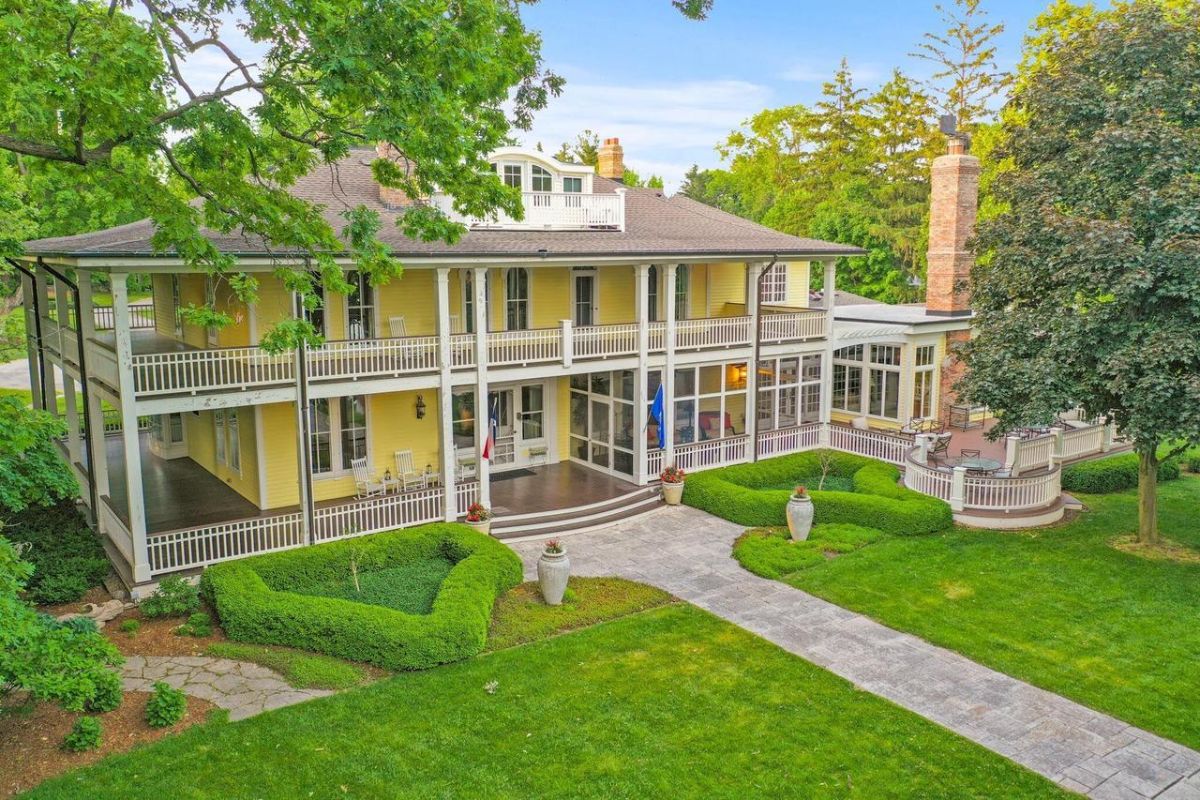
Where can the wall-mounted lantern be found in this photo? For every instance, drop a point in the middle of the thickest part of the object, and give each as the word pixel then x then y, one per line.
pixel 420 407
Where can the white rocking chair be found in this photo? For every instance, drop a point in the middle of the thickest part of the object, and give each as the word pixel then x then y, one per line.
pixel 364 485
pixel 397 327
pixel 406 473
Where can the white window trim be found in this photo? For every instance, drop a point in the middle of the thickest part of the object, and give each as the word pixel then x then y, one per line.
pixel 775 285
pixel 233 432
pixel 528 298
pixel 340 470
pixel 374 306
pixel 594 274
pixel 220 452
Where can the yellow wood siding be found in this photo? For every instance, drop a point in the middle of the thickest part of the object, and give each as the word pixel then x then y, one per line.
pixel 200 433
pixel 164 308
pixel 616 295
pixel 798 276
pixel 549 297
pixel 412 296
pixel 726 286
pixel 274 304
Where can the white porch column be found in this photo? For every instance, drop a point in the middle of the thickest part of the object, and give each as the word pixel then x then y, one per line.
pixel 483 413
pixel 753 272
pixel 129 428
pixel 641 278
pixel 446 396
pixel 830 298
pixel 958 489
pixel 63 303
pixel 33 344
pixel 94 411
pixel 668 377
pixel 1012 452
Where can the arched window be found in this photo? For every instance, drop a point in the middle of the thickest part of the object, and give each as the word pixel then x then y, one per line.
pixel 541 179
pixel 516 299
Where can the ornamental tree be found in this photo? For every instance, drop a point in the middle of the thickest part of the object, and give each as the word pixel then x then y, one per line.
pixel 203 112
pixel 1087 290
pixel 31 471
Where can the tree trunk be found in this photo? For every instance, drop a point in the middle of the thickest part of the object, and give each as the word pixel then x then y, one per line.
pixel 1147 496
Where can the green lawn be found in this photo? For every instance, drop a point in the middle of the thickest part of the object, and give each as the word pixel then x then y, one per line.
pixel 299 668
pixel 411 587
pixel 668 703
pixel 1057 607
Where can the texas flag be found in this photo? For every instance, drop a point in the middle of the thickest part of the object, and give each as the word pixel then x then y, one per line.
pixel 489 444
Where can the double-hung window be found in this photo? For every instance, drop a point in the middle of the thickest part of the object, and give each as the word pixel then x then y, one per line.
pixel 516 299
pixel 540 179
pixel 360 307
pixel 923 376
pixel 512 176
pixel 337 433
pixel 848 379
pixel 219 431
pixel 789 391
pixel 774 285
pixel 682 274
pixel 884 390
pixel 652 293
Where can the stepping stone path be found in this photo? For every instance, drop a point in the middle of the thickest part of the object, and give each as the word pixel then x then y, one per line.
pixel 242 688
pixel 689 554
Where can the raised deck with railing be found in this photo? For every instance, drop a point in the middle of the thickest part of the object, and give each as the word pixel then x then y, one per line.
pixel 550 211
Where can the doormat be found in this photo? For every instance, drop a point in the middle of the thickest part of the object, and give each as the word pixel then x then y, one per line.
pixel 515 473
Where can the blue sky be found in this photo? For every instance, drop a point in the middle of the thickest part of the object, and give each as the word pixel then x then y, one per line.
pixel 671 88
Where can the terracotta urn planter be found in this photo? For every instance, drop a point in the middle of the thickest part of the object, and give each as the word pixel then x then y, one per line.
pixel 672 485
pixel 553 571
pixel 799 514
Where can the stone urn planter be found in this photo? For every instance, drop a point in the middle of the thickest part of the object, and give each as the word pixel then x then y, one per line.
pixel 799 514
pixel 479 517
pixel 553 570
pixel 672 485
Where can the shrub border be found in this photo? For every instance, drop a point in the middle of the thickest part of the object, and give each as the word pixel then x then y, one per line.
pixel 251 610
pixel 878 501
pixel 1111 474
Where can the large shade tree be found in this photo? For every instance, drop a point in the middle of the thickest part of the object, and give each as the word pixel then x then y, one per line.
pixel 1087 292
pixel 232 100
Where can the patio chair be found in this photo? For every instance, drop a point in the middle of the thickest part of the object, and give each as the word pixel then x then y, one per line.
pixel 397 327
pixel 860 424
pixel 464 466
pixel 940 447
pixel 969 453
pixel 364 484
pixel 406 473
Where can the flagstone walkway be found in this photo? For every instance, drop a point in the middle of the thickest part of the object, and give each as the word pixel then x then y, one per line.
pixel 687 553
pixel 242 688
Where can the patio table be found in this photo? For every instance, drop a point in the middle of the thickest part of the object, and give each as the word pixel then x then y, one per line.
pixel 978 464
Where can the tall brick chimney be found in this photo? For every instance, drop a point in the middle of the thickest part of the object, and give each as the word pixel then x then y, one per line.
pixel 954 201
pixel 610 160
pixel 388 195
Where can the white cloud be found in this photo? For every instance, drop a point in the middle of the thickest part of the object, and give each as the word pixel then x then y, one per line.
pixel 663 128
pixel 864 74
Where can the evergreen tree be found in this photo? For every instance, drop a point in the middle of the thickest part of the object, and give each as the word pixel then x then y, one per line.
pixel 964 57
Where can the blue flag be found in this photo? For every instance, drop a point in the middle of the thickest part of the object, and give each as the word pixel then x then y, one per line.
pixel 656 413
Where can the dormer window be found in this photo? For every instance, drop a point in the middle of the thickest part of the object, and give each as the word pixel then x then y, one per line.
pixel 512 175
pixel 572 184
pixel 541 179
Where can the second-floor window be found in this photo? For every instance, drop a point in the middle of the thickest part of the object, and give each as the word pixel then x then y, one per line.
pixel 682 273
pixel 360 307
pixel 585 297
pixel 572 185
pixel 316 316
pixel 337 433
pixel 541 179
pixel 468 305
pixel 176 304
pixel 774 285
pixel 652 293
pixel 516 299
pixel 512 175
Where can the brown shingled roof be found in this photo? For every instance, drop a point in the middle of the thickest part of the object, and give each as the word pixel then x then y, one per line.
pixel 654 226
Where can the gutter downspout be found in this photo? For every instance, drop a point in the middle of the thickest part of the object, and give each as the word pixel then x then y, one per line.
pixel 37 324
pixel 757 340
pixel 83 381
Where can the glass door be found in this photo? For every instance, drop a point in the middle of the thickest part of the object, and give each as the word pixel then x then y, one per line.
pixel 602 420
pixel 585 297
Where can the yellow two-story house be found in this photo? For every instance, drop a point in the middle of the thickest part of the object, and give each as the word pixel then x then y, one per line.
pixel 195 445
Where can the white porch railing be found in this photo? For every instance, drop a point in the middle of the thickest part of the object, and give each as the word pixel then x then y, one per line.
pixel 789 440
pixel 874 444
pixel 210 544
pixel 118 534
pixel 1081 442
pixel 377 514
pixel 365 358
pixel 210 370
pixel 966 492
pixel 928 480
pixel 792 327
pixel 696 334
pixel 102 363
pixel 699 456
pixel 141 317
pixel 1031 454
pixel 465 493
pixel 524 347
pixel 602 341
pixel 552 210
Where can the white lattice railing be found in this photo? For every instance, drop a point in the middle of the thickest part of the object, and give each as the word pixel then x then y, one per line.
pixel 792 327
pixel 988 493
pixel 1082 442
pixel 1033 454
pixel 874 444
pixel 602 341
pixel 789 440
pixel 696 334
pixel 464 494
pixel 524 347
pixel 208 370
pixel 928 480
pixel 210 544
pixel 377 514
pixel 561 210
pixel 364 358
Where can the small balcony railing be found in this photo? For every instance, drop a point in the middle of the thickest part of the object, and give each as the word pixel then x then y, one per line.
pixel 549 210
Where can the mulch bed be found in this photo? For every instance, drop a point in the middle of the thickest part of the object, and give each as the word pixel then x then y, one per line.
pixel 156 637
pixel 31 737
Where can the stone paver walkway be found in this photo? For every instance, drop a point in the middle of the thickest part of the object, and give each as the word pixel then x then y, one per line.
pixel 242 688
pixel 687 553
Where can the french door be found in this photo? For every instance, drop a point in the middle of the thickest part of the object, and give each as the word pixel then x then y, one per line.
pixel 602 421
pixel 583 297
pixel 521 429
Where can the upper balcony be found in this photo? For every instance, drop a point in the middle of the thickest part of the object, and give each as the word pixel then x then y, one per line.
pixel 163 366
pixel 549 211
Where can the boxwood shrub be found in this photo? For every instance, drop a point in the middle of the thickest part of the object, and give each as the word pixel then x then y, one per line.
pixel 1112 474
pixel 67 557
pixel 743 494
pixel 251 597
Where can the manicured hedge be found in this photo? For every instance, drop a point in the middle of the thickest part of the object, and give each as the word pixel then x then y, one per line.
pixel 1112 474
pixel 252 599
pixel 736 493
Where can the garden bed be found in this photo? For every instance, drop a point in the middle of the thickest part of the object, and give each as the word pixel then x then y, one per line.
pixel 257 598
pixel 409 587
pixel 748 494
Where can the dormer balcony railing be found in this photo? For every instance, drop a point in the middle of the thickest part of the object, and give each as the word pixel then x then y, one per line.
pixel 565 211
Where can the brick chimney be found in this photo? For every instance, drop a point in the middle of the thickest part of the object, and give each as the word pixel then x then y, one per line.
pixel 954 200
pixel 388 195
pixel 610 160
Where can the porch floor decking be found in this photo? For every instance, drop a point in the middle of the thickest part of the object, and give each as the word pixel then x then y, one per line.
pixel 554 487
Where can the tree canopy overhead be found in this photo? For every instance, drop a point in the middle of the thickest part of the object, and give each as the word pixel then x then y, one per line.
pixel 1087 292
